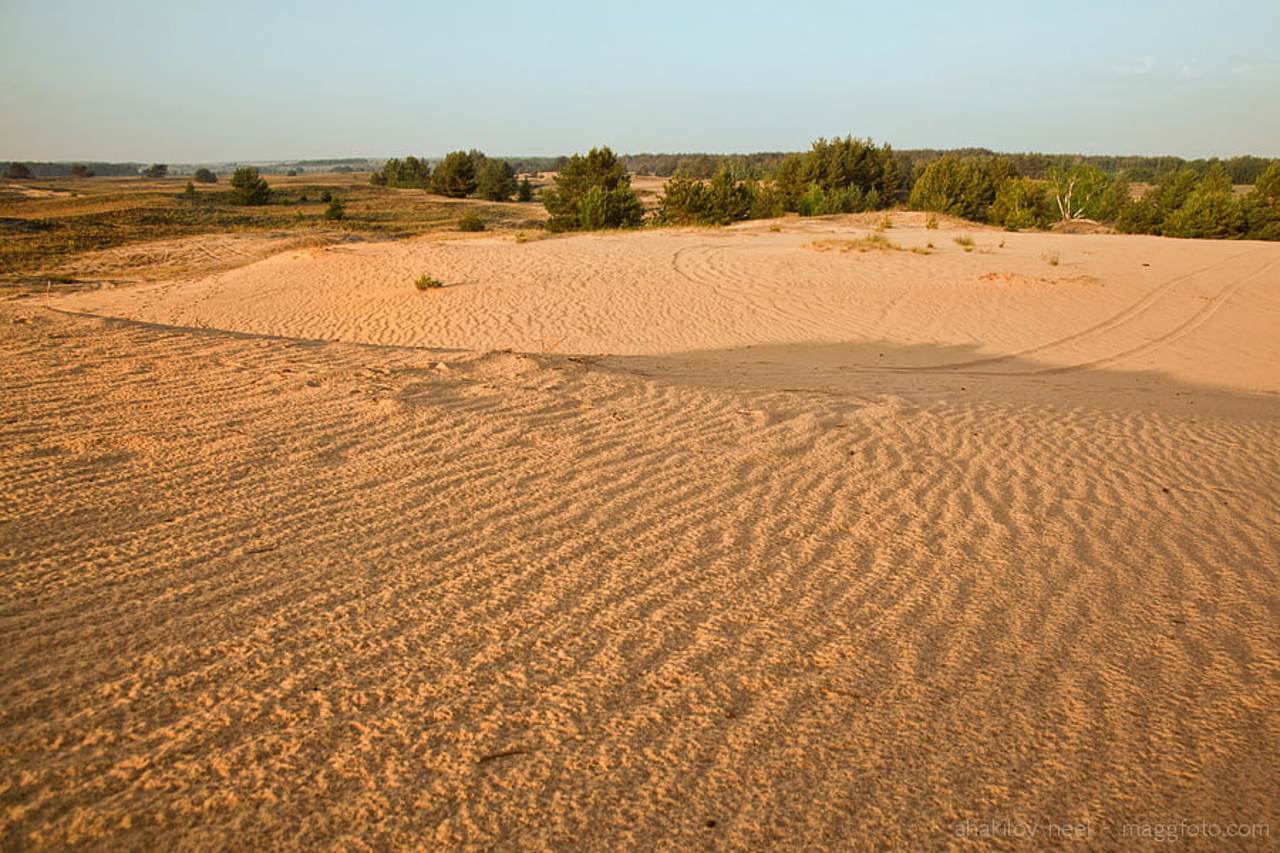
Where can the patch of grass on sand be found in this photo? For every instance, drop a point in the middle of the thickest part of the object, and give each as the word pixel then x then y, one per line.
pixel 869 243
pixel 965 241
pixel 428 282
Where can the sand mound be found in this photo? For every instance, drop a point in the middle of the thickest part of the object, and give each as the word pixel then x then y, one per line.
pixel 850 550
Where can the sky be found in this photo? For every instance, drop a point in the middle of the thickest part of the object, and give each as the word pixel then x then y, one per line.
pixel 193 81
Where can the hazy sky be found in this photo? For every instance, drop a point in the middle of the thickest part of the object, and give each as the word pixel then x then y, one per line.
pixel 190 81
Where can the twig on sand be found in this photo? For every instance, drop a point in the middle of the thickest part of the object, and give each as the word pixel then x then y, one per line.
pixel 507 753
pixel 262 550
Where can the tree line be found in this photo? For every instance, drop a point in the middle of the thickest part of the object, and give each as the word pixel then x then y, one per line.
pixel 763 165
pixel 459 175
pixel 846 175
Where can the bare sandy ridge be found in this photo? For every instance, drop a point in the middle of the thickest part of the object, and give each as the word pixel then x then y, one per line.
pixel 791 572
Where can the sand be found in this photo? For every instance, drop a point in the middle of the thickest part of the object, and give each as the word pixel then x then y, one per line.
pixel 688 539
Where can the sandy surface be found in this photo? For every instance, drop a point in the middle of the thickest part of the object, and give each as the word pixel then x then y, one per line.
pixel 749 544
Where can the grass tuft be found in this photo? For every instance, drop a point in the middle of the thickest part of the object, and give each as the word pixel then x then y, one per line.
pixel 871 242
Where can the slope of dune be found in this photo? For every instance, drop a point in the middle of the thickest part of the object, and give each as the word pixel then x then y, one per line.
pixel 747 544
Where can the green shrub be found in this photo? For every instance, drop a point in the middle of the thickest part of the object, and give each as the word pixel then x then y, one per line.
pixel 729 199
pixel 427 282
pixel 686 201
pixel 248 188
pixel 409 173
pixel 848 163
pixel 204 176
pixel 767 201
pixel 455 176
pixel 1267 185
pixel 470 221
pixel 1261 218
pixel 819 202
pixel 836 167
pixel 960 186
pixel 326 196
pixel 592 192
pixel 1156 212
pixel 495 180
pixel 1021 203
pixel 1208 212
pixel 1085 192
pixel 189 193
pixel 683 202
pixel 336 210
pixel 524 190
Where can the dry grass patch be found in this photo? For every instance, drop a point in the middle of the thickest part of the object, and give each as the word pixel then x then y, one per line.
pixel 869 243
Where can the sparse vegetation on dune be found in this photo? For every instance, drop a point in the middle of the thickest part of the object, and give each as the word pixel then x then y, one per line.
pixel 43 236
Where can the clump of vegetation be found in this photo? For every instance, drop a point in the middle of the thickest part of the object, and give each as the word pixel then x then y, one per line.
pixel 205 176
pixel 592 192
pixel 1050 258
pixel 249 188
pixel 81 171
pixel 869 243
pixel 156 170
pixel 838 176
pixel 1184 204
pixel 470 221
pixel 189 193
pixel 965 242
pixel 524 191
pixel 817 201
pixel 1086 192
pixel 1021 203
pixel 495 180
pixel 455 175
pixel 931 222
pixel 326 196
pixel 336 211
pixel 409 173
pixel 959 186
pixel 428 282
pixel 686 201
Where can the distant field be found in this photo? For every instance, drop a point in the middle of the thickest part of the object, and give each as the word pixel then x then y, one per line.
pixel 54 228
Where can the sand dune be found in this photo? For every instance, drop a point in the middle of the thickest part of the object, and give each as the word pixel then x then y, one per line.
pixel 1108 301
pixel 746 545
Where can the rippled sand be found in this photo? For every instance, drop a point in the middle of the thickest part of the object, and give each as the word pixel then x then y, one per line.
pixel 747 543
